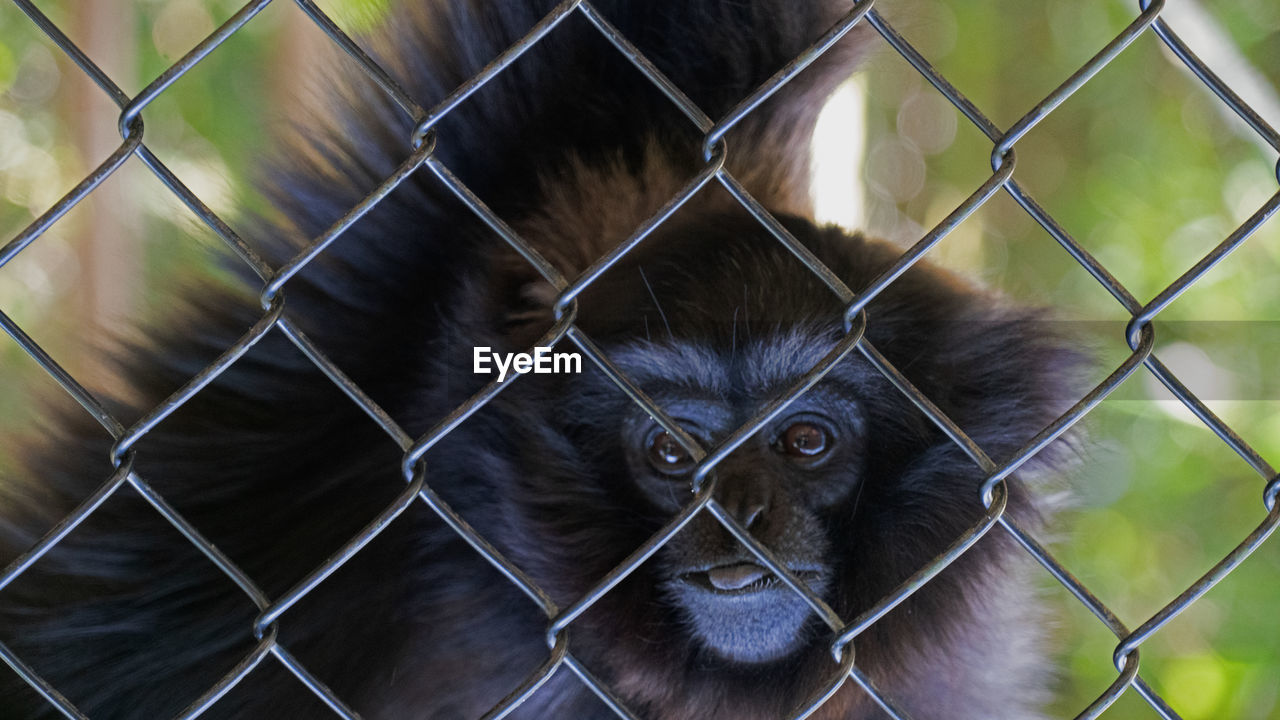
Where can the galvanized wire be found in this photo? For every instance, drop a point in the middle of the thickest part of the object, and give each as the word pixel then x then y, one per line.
pixel 1139 336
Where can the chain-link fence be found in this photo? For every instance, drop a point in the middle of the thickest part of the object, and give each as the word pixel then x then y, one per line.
pixel 1140 336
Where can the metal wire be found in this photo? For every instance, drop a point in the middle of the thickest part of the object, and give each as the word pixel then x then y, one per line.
pixel 1140 337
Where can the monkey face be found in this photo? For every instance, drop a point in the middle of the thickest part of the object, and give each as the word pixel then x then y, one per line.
pixel 733 606
pixel 793 484
pixel 781 484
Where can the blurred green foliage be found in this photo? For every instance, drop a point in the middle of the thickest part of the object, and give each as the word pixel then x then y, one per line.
pixel 1143 166
pixel 1148 170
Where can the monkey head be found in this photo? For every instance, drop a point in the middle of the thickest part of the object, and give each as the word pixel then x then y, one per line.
pixel 849 485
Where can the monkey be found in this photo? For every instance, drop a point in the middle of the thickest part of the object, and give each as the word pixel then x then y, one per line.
pixel 573 147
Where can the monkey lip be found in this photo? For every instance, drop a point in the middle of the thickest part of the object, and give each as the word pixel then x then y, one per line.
pixel 744 613
pixel 743 578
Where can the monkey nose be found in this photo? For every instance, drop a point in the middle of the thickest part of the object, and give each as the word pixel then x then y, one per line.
pixel 751 515
pixel 736 577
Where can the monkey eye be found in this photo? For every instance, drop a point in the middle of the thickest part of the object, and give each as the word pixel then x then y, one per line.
pixel 667 455
pixel 803 441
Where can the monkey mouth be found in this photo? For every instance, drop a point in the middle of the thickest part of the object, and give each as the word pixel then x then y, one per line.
pixel 743 612
pixel 745 578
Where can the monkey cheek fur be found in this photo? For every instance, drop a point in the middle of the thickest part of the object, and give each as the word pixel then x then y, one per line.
pixel 757 626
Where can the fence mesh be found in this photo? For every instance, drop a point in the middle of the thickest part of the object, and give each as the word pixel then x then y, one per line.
pixel 1140 336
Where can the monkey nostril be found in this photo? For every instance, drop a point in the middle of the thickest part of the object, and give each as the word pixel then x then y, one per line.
pixel 751 515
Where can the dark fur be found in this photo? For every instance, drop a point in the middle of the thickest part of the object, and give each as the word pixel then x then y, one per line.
pixel 574 148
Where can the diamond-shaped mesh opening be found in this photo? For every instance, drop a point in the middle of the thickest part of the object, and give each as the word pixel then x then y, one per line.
pixel 146 632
